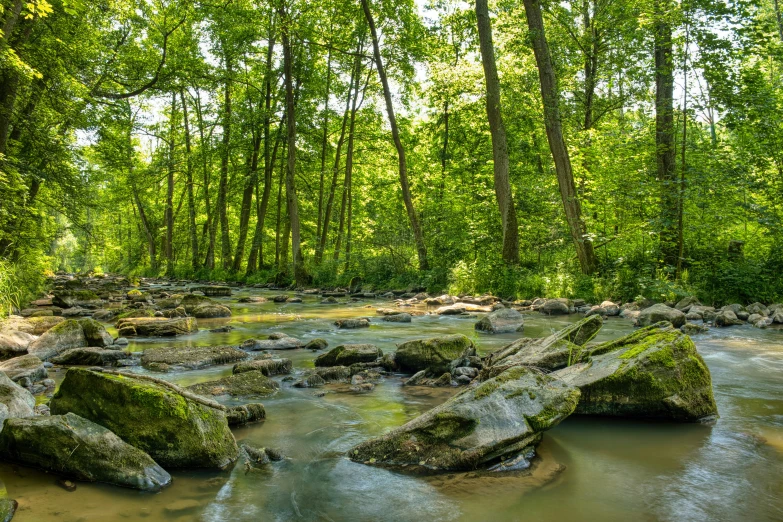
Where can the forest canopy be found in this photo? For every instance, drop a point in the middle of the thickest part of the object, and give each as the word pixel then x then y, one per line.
pixel 582 148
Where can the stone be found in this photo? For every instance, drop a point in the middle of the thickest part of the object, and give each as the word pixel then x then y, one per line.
pixel 245 414
pixel 684 304
pixel 352 323
pixel 653 373
pixel 95 334
pixel 212 291
pixel 176 430
pixel 15 401
pixel 693 329
pixel 104 314
pixel 245 384
pixel 434 354
pixel 211 311
pixel 190 302
pixel 268 367
pixel 70 298
pixel 727 318
pixel 611 309
pixel 14 343
pixel 156 326
pixel 75 447
pixel 502 418
pixel 281 343
pixel 316 344
pixel 556 307
pixel 91 357
pixel 25 367
pixel 190 358
pixel 61 337
pixel 504 320
pixel 348 354
pixel 8 509
pixel 758 308
pixel 660 312
pixel 397 318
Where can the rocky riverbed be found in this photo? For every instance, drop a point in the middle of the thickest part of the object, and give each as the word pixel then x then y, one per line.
pixel 464 406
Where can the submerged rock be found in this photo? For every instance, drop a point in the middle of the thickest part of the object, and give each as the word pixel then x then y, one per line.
pixel 172 358
pixel 434 354
pixel 245 414
pixel 348 354
pixel 654 372
pixel 397 318
pixel 504 320
pixel 268 367
pixel 660 312
pixel 352 323
pixel 156 326
pixel 91 357
pixel 245 384
pixel 61 337
pixel 284 342
pixel 502 418
pixel 75 447
pixel 177 431
pixel 211 310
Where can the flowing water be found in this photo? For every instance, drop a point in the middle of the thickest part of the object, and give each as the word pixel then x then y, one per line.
pixel 590 468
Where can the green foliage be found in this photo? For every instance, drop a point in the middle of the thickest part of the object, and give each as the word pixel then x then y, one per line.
pixel 20 282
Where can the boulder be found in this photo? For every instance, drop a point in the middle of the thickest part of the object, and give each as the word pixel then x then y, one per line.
pixel 281 343
pixel 316 344
pixel 82 298
pixel 434 354
pixel 91 357
pixel 156 326
pixel 348 354
pixel 15 401
pixel 8 507
pixel 27 367
pixel 168 358
pixel 245 384
pixel 320 376
pixel 245 413
pixel 556 307
pixel 549 353
pixel 63 336
pixel 40 325
pixel 611 309
pixel 352 323
pixel 684 304
pixel 95 334
pixel 192 301
pixel 461 308
pixel 504 320
pixel 14 343
pixel 397 318
pixel 212 291
pixel 503 418
pixel 660 312
pixel 77 448
pixel 654 373
pixel 727 318
pixel 758 308
pixel 210 311
pixel 268 367
pixel 693 329
pixel 176 430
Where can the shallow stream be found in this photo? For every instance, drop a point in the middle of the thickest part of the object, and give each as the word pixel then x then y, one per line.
pixel 590 468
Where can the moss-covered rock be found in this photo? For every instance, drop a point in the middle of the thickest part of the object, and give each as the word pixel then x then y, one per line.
pixel 69 298
pixel 156 326
pixel 349 324
pixel 397 318
pixel 40 325
pixel 95 334
pixel 502 418
pixel 212 291
pixel 91 357
pixel 434 354
pixel 268 366
pixel 175 430
pixel 245 384
pixel 211 311
pixel 283 342
pixel 245 414
pixel 62 337
pixel 77 448
pixel 348 354
pixel 8 507
pixel 316 344
pixel 25 367
pixel 191 358
pixel 653 373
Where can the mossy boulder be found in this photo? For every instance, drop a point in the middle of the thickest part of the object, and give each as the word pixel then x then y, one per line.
pixel 268 366
pixel 26 367
pixel 348 354
pixel 156 326
pixel 95 334
pixel 91 357
pixel 316 344
pixel 40 325
pixel 63 336
pixel 15 401
pixel 501 419
pixel 350 324
pixel 549 353
pixel 191 358
pixel 434 354
pixel 8 507
pixel 402 317
pixel 556 307
pixel 660 312
pixel 77 448
pixel 69 298
pixel 652 373
pixel 321 376
pixel 175 430
pixel 505 320
pixel 245 413
pixel 245 384
pixel 211 311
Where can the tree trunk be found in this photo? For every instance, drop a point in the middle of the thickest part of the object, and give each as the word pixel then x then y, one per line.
pixel 300 274
pixel 247 203
pixel 324 143
pixel 211 224
pixel 169 212
pixel 421 248
pixel 278 221
pixel 194 260
pixel 225 240
pixel 503 193
pixel 664 132
pixel 554 133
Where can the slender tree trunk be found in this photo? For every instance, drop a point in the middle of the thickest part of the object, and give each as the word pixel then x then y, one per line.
pixel 225 240
pixel 194 252
pixel 278 221
pixel 681 184
pixel 324 143
pixel 169 212
pixel 211 225
pixel 247 203
pixel 421 248
pixel 300 274
pixel 664 131
pixel 554 133
pixel 503 193
pixel 148 231
pixel 355 76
